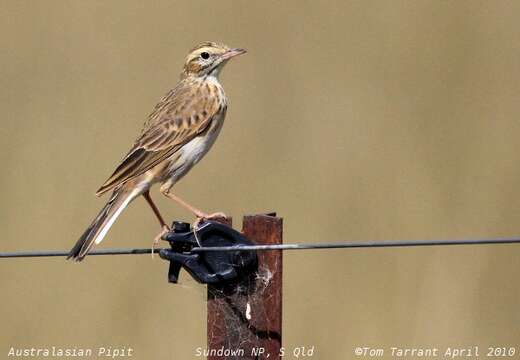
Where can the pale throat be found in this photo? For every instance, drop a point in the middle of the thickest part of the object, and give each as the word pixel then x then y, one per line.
pixel 216 71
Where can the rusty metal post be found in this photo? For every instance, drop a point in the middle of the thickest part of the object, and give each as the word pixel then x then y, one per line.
pixel 247 323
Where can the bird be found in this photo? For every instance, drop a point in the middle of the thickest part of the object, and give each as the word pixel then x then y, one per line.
pixel 176 135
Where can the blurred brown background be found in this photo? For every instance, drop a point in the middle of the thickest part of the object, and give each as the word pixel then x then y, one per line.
pixel 357 120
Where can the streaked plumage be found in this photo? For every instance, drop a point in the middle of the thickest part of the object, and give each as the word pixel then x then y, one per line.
pixel 177 134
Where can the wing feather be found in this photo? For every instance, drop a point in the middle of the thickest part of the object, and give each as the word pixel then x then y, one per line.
pixel 182 114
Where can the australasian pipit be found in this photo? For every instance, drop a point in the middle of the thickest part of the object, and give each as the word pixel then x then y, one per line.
pixel 178 133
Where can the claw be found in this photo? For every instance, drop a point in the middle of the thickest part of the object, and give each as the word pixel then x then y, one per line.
pixel 164 231
pixel 203 216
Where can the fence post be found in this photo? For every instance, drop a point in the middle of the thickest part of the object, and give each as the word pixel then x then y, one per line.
pixel 248 324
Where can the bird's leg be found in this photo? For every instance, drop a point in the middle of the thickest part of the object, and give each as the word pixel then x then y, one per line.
pixel 201 215
pixel 164 228
pixel 155 209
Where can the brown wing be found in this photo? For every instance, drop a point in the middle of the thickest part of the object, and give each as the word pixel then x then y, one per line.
pixel 181 115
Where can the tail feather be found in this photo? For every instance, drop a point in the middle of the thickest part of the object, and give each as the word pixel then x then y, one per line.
pixel 101 224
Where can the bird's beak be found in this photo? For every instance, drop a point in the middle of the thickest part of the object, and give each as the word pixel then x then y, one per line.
pixel 232 53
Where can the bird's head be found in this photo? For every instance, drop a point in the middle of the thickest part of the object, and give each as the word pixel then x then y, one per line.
pixel 208 58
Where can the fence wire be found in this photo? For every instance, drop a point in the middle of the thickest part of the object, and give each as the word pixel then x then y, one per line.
pixel 302 246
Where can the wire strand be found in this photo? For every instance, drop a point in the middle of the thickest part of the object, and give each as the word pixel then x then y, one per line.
pixel 366 244
pixel 311 246
pixel 54 253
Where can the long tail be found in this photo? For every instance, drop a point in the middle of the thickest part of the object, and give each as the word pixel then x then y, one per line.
pixel 102 223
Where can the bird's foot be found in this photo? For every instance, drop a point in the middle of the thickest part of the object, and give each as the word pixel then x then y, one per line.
pixel 201 216
pixel 164 230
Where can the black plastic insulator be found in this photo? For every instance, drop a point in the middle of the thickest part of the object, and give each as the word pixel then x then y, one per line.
pixel 212 267
pixel 180 226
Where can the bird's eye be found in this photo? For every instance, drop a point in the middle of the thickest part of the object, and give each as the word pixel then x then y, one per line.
pixel 204 55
